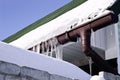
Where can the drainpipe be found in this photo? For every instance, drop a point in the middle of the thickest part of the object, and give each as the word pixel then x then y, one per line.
pixel 84 32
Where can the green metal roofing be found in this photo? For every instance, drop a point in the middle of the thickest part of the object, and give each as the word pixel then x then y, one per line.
pixel 44 20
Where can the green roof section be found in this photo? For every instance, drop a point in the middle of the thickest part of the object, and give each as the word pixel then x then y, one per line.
pixel 44 20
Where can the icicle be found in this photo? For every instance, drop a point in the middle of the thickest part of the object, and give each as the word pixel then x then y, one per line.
pixel 59 51
pixel 54 41
pixel 78 39
pixel 56 49
pixel 90 64
pixel 38 48
pixel 51 47
pixel 33 48
pixel 54 46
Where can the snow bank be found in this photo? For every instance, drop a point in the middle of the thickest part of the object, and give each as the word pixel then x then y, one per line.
pixel 22 57
pixel 96 77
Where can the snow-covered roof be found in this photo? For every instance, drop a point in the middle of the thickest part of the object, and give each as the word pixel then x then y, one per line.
pixel 45 19
pixel 60 22
pixel 41 62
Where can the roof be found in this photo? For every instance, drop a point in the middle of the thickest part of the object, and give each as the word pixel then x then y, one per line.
pixel 44 20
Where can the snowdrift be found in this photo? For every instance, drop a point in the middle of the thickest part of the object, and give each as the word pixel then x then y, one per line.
pixel 27 58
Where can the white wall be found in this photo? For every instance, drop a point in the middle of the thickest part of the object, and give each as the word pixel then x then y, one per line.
pixel 106 39
pixel 111 48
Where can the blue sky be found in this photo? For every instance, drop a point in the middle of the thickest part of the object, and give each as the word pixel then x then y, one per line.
pixel 17 14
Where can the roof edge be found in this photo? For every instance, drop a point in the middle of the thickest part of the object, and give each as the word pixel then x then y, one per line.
pixel 44 20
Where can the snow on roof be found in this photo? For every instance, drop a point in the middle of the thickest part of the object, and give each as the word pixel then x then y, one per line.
pixel 84 13
pixel 45 19
pixel 41 62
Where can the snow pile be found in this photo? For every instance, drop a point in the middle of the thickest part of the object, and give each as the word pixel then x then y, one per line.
pixel 97 78
pixel 22 57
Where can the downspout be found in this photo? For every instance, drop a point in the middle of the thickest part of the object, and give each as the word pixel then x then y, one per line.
pixel 84 32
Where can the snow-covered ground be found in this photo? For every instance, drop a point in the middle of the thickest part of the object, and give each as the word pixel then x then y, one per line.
pixel 27 58
pixel 96 77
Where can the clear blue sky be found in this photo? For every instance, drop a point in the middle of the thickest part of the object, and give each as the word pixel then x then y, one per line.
pixel 17 14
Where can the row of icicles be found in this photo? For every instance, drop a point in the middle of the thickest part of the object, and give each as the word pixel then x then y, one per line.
pixel 50 48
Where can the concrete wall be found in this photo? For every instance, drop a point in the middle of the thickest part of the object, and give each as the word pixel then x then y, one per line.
pixel 9 71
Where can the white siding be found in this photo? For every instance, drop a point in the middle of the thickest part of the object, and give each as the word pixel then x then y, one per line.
pixel 105 39
pixel 111 46
pixel 98 39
